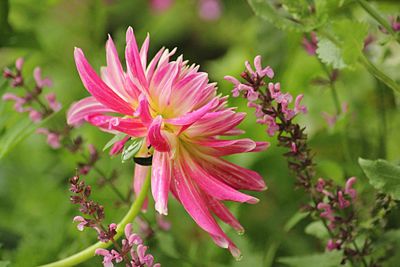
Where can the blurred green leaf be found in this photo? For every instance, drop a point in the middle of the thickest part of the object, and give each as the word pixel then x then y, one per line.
pixel 382 175
pixel 266 11
pixel 4 263
pixel 351 35
pixel 167 245
pixel 328 259
pixel 130 151
pixel 294 220
pixel 317 229
pixel 330 53
pixel 17 132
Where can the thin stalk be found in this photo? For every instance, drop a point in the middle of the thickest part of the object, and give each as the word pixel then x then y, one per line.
pixel 378 17
pixel 90 251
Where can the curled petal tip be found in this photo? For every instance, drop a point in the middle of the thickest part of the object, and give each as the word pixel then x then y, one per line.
pixel 253 200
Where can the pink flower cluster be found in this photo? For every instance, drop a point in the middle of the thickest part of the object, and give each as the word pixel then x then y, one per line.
pixel 330 206
pixel 132 246
pixel 265 113
pixel 25 103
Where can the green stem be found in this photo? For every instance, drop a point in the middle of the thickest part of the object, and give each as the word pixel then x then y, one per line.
pixel 378 17
pixel 378 74
pixel 90 251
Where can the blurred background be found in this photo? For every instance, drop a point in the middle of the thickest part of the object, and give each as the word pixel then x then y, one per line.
pixel 35 213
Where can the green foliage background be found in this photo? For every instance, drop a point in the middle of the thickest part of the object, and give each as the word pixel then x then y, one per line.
pixel 35 213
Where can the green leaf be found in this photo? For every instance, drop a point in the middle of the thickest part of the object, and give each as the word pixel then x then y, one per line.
pixel 317 229
pixel 382 175
pixel 294 220
pixel 167 245
pixel 116 138
pixel 351 35
pixel 130 151
pixel 266 11
pixel 328 259
pixel 17 132
pixel 330 53
pixel 4 263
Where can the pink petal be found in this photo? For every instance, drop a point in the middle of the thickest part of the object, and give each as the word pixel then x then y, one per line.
pixel 138 180
pixel 224 214
pixel 212 185
pixel 78 111
pixel 143 51
pixel 156 137
pixel 143 110
pixel 228 147
pixel 193 202
pixel 192 117
pixel 132 127
pixel 114 72
pixel 160 180
pixel 133 60
pixel 97 87
pixel 233 175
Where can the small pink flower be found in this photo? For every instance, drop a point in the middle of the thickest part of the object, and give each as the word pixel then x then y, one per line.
pixel 37 75
pixel 320 186
pixel 35 115
pixel 53 103
pixel 297 107
pixel 310 44
pixel 162 222
pixel 343 203
pixel 330 119
pixel 262 72
pixel 327 211
pixel 273 127
pixel 19 101
pixel 107 257
pixel 19 63
pixel 349 190
pixel 161 5
pixel 293 147
pixel 332 245
pixel 7 73
pixel 82 222
pixel 133 239
pixel 209 9
pixel 259 113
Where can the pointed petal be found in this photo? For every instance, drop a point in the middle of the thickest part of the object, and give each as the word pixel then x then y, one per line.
pixel 132 127
pixel 133 61
pixel 143 111
pixel 78 111
pixel 144 50
pixel 212 185
pixel 114 74
pixel 224 214
pixel 189 118
pixel 97 87
pixel 233 175
pixel 227 147
pixel 160 180
pixel 156 137
pixel 138 180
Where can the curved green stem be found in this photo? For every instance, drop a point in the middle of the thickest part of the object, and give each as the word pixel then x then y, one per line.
pixel 89 252
pixel 378 17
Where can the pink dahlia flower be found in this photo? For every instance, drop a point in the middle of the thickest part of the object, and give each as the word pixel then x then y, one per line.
pixel 180 117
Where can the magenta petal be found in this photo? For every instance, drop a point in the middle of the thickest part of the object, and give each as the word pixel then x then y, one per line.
pixel 234 175
pixel 132 127
pixel 78 112
pixel 156 137
pixel 160 180
pixel 191 117
pixel 133 60
pixel 138 180
pixel 224 214
pixel 143 110
pixel 228 147
pixel 97 87
pixel 193 202
pixel 212 185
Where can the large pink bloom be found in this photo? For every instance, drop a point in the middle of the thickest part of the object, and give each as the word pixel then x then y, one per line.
pixel 175 108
